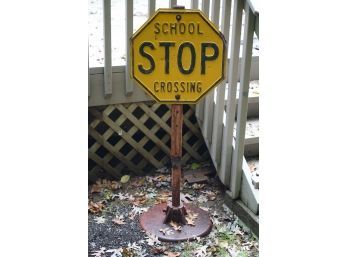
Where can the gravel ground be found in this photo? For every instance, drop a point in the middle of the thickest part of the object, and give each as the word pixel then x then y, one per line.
pixel 228 237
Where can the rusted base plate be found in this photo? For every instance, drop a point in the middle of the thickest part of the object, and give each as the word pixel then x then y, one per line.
pixel 152 221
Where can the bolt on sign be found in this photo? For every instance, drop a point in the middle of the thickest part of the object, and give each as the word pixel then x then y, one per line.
pixel 178 56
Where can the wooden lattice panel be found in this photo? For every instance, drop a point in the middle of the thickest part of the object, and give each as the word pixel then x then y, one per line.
pixel 135 138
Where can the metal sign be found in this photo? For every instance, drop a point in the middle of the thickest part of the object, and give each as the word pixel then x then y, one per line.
pixel 178 56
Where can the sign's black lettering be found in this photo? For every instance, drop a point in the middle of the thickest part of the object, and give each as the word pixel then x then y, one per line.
pixel 204 56
pixel 157 28
pixel 166 46
pixel 147 56
pixel 193 58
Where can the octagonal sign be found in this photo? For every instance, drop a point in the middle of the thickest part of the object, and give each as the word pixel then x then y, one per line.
pixel 178 56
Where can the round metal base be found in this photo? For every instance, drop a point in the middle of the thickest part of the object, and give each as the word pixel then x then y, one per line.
pixel 152 221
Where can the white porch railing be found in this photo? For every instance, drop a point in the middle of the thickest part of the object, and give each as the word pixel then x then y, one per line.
pixel 227 152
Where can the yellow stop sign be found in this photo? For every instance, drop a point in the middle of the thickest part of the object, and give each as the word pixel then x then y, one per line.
pixel 178 56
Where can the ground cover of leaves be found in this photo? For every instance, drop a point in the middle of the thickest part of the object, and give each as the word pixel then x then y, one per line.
pixel 114 208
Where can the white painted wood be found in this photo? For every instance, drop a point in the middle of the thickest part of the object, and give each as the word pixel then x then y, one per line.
pixel 129 32
pixel 97 97
pixel 151 7
pixel 220 95
pixel 215 10
pixel 206 7
pixel 254 5
pixel 226 19
pixel 107 48
pixel 257 26
pixel 200 106
pixel 194 4
pixel 209 99
pixel 172 3
pixel 89 82
pixel 248 194
pixel 238 154
pixel 226 157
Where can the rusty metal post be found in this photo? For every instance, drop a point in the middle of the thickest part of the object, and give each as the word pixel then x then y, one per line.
pixel 175 209
pixel 176 152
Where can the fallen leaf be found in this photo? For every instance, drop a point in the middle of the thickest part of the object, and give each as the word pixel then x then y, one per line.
pixel 205 209
pixel 175 225
pixel 107 184
pixel 195 166
pixel 166 231
pixel 122 196
pixel 118 220
pixel 210 195
pixel 201 251
pixel 202 199
pixel 162 178
pixel 198 186
pixel 100 220
pixel 99 253
pixel 125 179
pixel 96 188
pixel 136 210
pixel 152 239
pixel 139 199
pixel 191 217
pixel 171 254
pixel 162 197
pixel 114 185
pixel 95 207
pixel 115 252
pixel 186 198
pixel 158 249
pixel 138 182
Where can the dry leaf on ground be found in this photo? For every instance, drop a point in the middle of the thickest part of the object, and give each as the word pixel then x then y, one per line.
pixel 152 239
pixel 162 197
pixel 125 179
pixel 198 186
pixel 201 251
pixel 100 252
pixel 175 225
pixel 139 199
pixel 138 182
pixel 100 220
pixel 191 217
pixel 202 199
pixel 118 220
pixel 101 184
pixel 115 252
pixel 171 254
pixel 210 195
pixel 95 207
pixel 158 249
pixel 166 231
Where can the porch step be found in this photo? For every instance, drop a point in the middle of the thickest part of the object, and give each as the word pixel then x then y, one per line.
pixel 253 99
pixel 253 163
pixel 251 143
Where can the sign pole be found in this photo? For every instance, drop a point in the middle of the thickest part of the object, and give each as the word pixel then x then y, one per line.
pixel 178 56
pixel 175 210
pixel 176 151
